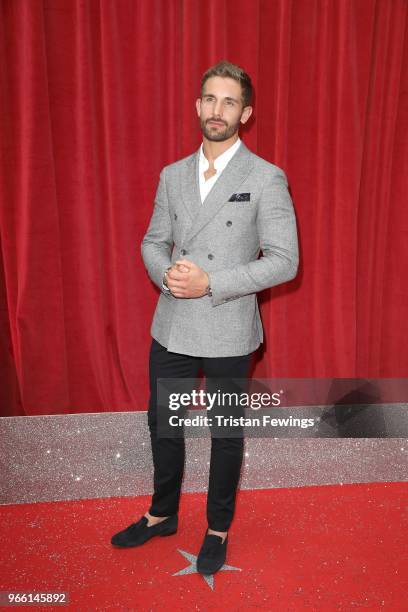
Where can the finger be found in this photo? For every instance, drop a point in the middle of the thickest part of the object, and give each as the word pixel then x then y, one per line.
pixel 185 262
pixel 176 275
pixel 179 294
pixel 174 284
pixel 182 268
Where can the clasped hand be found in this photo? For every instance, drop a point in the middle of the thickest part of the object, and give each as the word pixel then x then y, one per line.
pixel 187 280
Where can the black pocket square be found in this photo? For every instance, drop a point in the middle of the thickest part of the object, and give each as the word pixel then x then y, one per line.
pixel 240 197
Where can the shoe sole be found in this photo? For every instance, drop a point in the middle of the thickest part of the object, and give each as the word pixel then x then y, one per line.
pixel 208 573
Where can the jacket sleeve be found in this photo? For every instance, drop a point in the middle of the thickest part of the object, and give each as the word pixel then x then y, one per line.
pixel 276 227
pixel 157 243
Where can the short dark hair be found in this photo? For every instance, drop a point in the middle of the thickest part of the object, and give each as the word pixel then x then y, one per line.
pixel 226 69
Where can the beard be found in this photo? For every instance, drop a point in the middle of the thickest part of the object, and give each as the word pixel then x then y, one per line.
pixel 218 134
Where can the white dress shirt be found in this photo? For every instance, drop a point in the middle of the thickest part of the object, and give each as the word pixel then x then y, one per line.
pixel 220 163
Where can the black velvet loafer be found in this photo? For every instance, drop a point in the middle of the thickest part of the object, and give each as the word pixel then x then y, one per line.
pixel 212 554
pixel 139 533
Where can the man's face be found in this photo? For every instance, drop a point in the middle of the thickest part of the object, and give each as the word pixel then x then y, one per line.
pixel 220 108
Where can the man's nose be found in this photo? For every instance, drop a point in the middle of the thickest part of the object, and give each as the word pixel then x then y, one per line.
pixel 217 108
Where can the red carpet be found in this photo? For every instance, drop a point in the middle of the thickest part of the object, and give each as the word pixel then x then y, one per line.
pixel 314 548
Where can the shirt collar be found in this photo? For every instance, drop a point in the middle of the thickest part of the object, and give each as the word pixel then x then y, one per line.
pixel 222 160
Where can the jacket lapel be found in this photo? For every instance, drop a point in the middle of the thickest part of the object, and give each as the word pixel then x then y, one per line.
pixel 190 186
pixel 228 183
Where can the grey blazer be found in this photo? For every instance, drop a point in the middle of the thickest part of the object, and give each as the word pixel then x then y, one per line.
pixel 248 211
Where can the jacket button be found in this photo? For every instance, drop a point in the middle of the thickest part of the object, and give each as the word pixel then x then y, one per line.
pixel 229 223
pixel 175 217
pixel 210 256
pixel 183 252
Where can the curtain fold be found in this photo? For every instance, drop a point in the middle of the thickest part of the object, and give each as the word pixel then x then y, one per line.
pixel 97 96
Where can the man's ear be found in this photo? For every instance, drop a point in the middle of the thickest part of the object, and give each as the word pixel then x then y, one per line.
pixel 246 113
pixel 198 106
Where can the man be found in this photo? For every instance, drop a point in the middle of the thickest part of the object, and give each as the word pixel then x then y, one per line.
pixel 214 212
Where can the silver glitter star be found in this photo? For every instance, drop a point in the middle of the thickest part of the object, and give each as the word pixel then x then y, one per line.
pixel 192 568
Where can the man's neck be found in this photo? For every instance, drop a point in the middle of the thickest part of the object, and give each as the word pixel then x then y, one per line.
pixel 212 148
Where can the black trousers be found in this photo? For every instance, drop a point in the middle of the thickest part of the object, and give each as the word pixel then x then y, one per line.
pixel 169 453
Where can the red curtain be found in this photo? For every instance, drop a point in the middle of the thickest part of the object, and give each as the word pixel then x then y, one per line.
pixel 96 96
